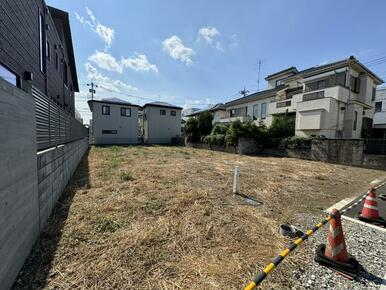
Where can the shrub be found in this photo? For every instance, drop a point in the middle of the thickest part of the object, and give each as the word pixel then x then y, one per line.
pixel 296 142
pixel 218 139
pixel 204 123
pixel 282 127
pixel 191 130
pixel 219 129
pixel 247 129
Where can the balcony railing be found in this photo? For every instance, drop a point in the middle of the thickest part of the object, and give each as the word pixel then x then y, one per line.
pixel 283 104
pixel 313 96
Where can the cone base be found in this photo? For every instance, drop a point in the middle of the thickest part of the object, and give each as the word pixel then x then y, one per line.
pixel 378 221
pixel 348 270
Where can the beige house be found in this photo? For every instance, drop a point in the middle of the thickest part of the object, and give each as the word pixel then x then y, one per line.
pixel 333 100
pixel 161 123
pixel 113 122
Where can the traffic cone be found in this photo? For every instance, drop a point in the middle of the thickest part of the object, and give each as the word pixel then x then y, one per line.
pixel 336 245
pixel 370 212
pixel 370 208
pixel 334 255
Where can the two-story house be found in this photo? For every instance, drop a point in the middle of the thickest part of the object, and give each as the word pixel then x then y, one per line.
pixel 379 120
pixel 113 122
pixel 332 100
pixel 161 123
pixel 36 51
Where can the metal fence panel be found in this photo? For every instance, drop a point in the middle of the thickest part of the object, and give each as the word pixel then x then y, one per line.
pixel 375 146
pixel 54 126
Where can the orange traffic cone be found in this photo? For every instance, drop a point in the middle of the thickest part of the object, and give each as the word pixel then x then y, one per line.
pixel 370 212
pixel 370 208
pixel 336 245
pixel 334 255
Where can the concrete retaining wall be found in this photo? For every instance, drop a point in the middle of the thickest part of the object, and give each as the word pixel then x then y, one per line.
pixel 30 183
pixel 19 208
pixel 55 168
pixel 339 151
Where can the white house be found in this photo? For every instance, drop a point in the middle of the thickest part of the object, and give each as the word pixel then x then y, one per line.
pixel 379 120
pixel 332 100
pixel 161 123
pixel 113 122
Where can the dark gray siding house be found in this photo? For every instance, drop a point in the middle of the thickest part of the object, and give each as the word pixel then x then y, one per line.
pixel 36 50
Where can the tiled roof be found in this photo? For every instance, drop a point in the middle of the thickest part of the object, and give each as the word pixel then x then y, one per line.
pixel 218 106
pixel 256 96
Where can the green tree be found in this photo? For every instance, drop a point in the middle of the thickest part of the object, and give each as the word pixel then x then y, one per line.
pixel 191 130
pixel 204 123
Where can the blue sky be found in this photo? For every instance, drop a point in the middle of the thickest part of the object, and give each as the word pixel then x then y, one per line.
pixel 192 53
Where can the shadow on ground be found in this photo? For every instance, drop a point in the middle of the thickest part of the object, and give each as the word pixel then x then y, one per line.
pixel 37 268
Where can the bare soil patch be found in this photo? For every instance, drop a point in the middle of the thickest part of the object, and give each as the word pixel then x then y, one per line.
pixel 164 218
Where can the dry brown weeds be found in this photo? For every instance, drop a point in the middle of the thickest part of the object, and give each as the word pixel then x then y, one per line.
pixel 164 218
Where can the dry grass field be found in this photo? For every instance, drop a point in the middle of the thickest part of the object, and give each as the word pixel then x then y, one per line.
pixel 163 217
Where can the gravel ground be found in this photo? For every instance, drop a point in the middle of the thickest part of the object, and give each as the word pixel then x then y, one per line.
pixel 367 245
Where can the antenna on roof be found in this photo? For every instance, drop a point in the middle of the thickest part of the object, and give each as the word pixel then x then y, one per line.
pixel 258 74
pixel 244 92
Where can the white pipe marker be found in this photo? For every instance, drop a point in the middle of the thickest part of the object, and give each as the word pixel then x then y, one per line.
pixel 236 179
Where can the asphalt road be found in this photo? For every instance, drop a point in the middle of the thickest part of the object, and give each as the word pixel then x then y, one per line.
pixel 354 212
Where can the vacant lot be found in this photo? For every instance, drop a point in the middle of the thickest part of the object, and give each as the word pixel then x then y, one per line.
pixel 164 218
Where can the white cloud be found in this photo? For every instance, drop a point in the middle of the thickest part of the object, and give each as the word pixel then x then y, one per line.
pixel 106 61
pixel 104 32
pixel 208 34
pixel 105 82
pixel 176 49
pixel 139 63
pixel 233 40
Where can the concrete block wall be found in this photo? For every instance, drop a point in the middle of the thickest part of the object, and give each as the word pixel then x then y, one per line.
pixel 30 182
pixel 55 168
pixel 19 203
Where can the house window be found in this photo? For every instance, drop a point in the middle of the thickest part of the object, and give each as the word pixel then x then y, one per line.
pixel 56 61
pixel 321 84
pixel 355 120
pixel 263 110
pixel 378 107
pixel 255 111
pixel 9 76
pixel 173 113
pixel 105 110
pixel 41 42
pixel 48 50
pixel 109 131
pixel 126 112
pixel 374 94
pixel 280 82
pixel 162 112
pixel 355 84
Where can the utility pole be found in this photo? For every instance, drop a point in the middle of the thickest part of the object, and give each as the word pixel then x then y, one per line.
pixel 258 74
pixel 244 92
pixel 92 91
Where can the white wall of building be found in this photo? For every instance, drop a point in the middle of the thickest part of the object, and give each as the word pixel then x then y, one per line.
pixel 160 129
pixel 126 127
pixel 257 104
